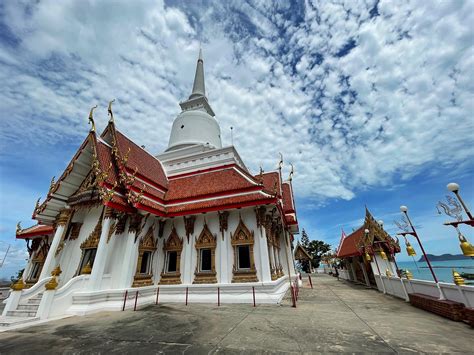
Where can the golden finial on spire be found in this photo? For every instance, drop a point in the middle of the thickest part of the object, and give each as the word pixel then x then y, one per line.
pixel 280 163
pixel 91 118
pixel 292 171
pixel 109 110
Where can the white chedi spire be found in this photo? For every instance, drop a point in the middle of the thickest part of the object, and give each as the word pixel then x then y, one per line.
pixel 199 88
pixel 196 124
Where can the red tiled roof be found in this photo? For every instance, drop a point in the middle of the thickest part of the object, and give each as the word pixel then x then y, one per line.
pixel 209 183
pixel 219 202
pixel 288 206
pixel 349 244
pixel 269 180
pixel 148 166
pixel 37 230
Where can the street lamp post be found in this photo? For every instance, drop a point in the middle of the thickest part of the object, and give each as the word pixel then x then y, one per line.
pixel 404 210
pixel 454 188
pixel 455 211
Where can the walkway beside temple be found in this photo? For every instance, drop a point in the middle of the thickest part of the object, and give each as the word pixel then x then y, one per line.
pixel 335 316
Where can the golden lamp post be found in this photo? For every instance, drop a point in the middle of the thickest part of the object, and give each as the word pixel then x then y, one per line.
pixel 454 209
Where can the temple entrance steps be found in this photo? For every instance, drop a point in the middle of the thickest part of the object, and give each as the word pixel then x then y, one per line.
pixel 28 309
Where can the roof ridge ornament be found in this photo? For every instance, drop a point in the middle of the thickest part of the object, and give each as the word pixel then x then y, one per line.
pixel 109 111
pixel 292 171
pixel 91 118
pixel 280 163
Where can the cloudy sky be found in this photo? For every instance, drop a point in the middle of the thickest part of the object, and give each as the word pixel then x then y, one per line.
pixel 372 101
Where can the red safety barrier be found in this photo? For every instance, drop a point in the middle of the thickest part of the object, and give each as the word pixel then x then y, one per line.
pixel 218 296
pixel 136 299
pixel 186 296
pixel 157 295
pixel 310 282
pixel 293 298
pixel 125 300
pixel 253 291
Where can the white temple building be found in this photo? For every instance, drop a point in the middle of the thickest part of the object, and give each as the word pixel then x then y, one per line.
pixel 191 224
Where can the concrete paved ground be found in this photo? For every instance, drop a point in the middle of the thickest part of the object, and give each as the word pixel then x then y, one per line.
pixel 334 317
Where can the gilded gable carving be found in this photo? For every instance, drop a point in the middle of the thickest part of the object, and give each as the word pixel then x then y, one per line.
pixel 148 242
pixel 206 239
pixel 93 240
pixel 174 242
pixel 242 235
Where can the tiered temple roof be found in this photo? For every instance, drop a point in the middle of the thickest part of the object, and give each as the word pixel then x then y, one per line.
pixel 124 176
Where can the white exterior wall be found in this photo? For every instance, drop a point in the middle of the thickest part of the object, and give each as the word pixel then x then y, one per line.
pixel 70 256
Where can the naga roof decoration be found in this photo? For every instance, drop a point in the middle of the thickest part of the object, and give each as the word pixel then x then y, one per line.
pixel 113 170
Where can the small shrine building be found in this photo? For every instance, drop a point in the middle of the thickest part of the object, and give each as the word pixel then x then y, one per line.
pixel 366 253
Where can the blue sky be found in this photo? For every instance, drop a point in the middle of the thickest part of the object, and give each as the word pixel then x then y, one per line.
pixel 372 101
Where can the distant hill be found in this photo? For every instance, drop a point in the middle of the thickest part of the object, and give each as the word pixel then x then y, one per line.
pixel 444 257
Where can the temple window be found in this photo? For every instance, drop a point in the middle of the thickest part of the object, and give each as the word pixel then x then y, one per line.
pixel 89 249
pixel 172 248
pixel 206 250
pixel 205 260
pixel 243 257
pixel 242 241
pixel 146 248
pixel 88 257
pixel 39 249
pixel 172 258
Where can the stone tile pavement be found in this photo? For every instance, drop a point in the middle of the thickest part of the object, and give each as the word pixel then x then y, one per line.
pixel 335 316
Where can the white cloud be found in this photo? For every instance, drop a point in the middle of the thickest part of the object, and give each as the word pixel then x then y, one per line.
pixel 400 99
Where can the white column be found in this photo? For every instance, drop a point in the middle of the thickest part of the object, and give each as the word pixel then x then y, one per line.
pixel 187 260
pixel 51 257
pixel 289 254
pixel 223 259
pixel 129 260
pixel 101 255
pixel 264 262
pixel 364 271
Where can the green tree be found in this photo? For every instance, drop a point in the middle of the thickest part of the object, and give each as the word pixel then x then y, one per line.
pixel 316 248
pixel 304 239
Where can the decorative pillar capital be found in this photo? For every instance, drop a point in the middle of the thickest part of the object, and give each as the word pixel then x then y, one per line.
pixel 161 228
pixel 109 213
pixel 135 222
pixel 223 222
pixel 189 225
pixel 260 214
pixel 64 216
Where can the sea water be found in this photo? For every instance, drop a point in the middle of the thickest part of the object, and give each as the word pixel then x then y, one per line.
pixel 442 269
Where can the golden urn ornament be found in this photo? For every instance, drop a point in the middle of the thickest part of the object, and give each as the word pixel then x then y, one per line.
pixel 408 274
pixel 388 273
pixel 383 255
pixel 367 257
pixel 19 285
pixel 458 280
pixel 87 269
